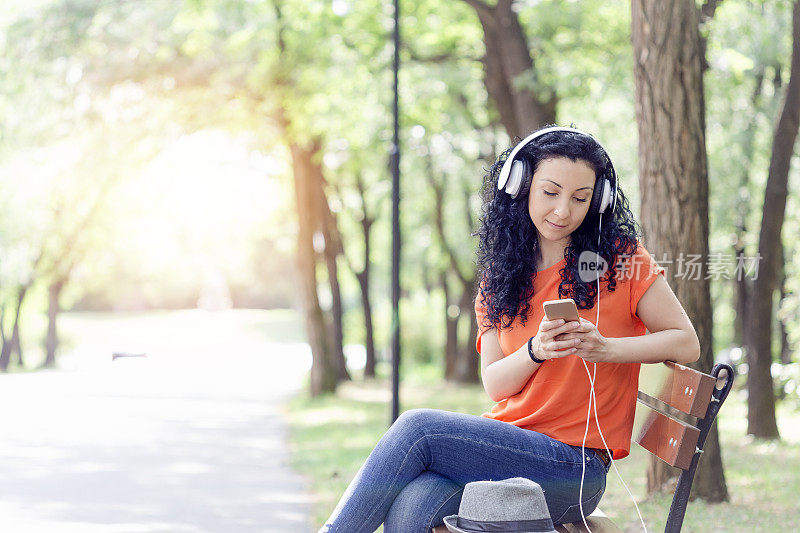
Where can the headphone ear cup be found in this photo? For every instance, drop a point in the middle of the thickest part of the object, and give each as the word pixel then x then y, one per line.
pixel 516 178
pixel 526 180
pixel 612 201
pixel 597 196
pixel 607 201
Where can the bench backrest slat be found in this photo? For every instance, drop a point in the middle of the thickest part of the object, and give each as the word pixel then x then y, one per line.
pixel 679 386
pixel 671 440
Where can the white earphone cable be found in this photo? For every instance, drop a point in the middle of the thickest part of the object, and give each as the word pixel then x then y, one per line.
pixel 593 399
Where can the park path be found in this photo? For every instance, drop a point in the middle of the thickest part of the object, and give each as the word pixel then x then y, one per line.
pixel 190 439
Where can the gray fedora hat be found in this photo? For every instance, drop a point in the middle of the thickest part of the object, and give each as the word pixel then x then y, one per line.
pixel 511 505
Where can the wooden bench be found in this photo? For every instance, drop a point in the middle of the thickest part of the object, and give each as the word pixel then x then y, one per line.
pixel 120 355
pixel 675 410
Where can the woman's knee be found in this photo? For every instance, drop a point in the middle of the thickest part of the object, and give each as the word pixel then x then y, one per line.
pixel 417 421
pixel 418 416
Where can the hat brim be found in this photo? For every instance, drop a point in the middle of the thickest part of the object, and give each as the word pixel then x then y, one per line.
pixel 450 524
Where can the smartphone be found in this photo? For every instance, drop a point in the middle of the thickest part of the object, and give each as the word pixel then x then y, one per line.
pixel 565 309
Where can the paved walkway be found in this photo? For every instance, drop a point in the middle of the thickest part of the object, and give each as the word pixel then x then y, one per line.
pixel 190 439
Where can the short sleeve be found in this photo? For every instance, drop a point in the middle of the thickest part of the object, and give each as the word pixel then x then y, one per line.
pixel 480 316
pixel 642 270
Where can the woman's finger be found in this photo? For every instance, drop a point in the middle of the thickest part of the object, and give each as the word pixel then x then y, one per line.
pixel 557 354
pixel 568 327
pixel 555 346
pixel 547 325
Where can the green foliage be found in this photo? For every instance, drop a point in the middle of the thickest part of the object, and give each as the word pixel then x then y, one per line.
pixel 102 90
pixel 788 384
pixel 581 49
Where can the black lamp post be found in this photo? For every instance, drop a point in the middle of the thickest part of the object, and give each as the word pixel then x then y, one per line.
pixel 395 164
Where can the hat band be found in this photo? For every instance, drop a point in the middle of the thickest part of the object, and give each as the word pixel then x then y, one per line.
pixel 542 524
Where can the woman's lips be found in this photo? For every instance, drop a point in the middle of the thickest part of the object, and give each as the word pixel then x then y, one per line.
pixel 555 225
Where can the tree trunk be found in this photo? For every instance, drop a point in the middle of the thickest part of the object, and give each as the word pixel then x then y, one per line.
pixel 16 343
pixel 2 324
pixel 473 331
pixel 336 326
pixel 469 355
pixel 369 333
pixel 467 361
pixel 5 351
pixel 786 347
pixel 5 355
pixel 369 330
pixel 673 178
pixel 508 57
pixel 53 308
pixel 742 294
pixel 784 353
pixel 363 280
pixel 470 363
pixel 12 344
pixel 333 248
pixel 323 369
pixel 740 284
pixel 761 421
pixel 451 333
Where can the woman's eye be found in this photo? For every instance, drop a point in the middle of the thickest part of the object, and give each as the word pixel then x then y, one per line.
pixel 550 193
pixel 581 200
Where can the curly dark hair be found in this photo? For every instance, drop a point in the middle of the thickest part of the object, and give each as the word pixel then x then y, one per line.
pixel 509 244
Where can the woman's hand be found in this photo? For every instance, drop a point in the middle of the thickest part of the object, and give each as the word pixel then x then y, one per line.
pixel 545 345
pixel 590 344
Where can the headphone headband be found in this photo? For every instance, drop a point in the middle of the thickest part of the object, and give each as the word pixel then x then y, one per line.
pixel 607 195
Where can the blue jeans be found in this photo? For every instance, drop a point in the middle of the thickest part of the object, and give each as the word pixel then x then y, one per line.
pixel 414 476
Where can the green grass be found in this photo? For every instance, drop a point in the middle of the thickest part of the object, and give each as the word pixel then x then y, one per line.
pixel 332 436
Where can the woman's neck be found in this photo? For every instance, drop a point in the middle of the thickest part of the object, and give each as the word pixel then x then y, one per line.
pixel 550 253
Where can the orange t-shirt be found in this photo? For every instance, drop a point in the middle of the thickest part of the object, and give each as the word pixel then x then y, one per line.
pixel 555 399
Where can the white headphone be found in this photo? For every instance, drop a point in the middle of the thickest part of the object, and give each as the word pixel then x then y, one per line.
pixel 516 174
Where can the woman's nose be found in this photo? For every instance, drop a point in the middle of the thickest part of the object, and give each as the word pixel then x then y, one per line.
pixel 562 211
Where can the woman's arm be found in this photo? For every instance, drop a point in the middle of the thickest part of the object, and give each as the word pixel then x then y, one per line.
pixel 672 336
pixel 505 376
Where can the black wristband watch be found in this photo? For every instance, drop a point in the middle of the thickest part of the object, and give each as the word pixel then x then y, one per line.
pixel 530 352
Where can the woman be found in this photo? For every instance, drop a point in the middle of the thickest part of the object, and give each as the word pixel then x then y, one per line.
pixel 550 203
